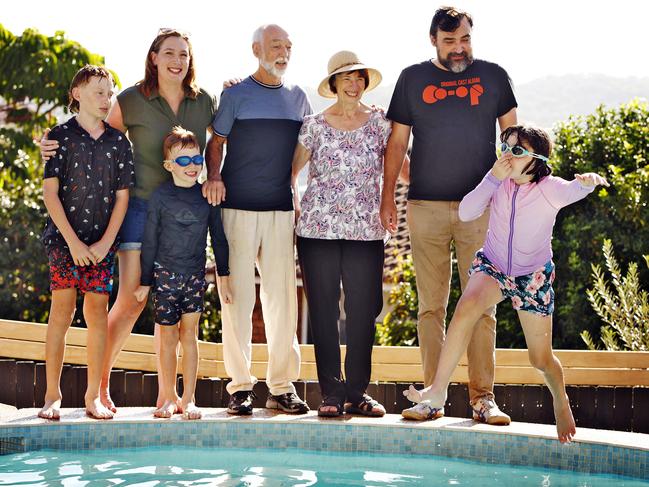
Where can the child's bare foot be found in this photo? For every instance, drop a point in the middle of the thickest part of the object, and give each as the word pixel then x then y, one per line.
pixel 425 394
pixel 51 409
pixel 190 411
pixel 95 409
pixel 413 394
pixel 565 422
pixel 160 401
pixel 167 410
pixel 106 400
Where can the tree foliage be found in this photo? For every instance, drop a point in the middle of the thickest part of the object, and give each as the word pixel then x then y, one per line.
pixel 36 72
pixel 621 304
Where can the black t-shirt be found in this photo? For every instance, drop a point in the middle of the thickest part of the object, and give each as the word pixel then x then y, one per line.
pixel 453 118
pixel 90 172
pixel 175 234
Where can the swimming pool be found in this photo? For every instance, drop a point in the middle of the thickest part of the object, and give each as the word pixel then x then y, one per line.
pixel 371 442
pixel 289 467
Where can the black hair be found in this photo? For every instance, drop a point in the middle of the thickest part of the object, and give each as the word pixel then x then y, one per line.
pixel 448 19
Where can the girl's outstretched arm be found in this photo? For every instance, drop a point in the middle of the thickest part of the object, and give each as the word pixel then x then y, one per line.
pixel 560 192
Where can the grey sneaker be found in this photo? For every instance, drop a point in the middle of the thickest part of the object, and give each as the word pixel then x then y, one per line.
pixel 289 403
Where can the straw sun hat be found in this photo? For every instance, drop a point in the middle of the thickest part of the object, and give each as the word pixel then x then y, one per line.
pixel 342 62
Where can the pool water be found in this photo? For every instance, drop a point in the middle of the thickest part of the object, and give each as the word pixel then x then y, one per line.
pixel 166 466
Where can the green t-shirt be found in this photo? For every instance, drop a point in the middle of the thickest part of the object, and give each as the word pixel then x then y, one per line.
pixel 148 120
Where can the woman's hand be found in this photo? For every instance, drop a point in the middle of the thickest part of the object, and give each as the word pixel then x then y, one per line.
pixel 590 179
pixel 141 293
pixel 47 147
pixel 297 208
pixel 229 83
pixel 502 168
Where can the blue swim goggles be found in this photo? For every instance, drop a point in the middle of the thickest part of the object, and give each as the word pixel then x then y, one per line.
pixel 184 161
pixel 518 151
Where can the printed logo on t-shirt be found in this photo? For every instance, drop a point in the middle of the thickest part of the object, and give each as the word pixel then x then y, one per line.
pixel 461 88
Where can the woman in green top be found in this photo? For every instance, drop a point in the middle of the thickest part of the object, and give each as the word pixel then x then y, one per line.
pixel 166 97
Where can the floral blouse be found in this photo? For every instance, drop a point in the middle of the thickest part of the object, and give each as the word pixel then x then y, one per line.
pixel 343 192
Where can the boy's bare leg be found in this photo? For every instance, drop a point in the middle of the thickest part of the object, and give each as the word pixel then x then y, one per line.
pixel 95 312
pixel 538 335
pixel 481 292
pixel 156 345
pixel 62 309
pixel 189 341
pixel 121 318
pixel 169 336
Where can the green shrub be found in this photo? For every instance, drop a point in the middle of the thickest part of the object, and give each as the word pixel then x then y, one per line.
pixel 615 143
pixel 623 307
pixel 399 327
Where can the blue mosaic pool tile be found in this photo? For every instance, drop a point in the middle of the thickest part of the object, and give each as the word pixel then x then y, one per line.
pixel 482 447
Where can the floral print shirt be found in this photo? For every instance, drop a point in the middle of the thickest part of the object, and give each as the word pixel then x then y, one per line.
pixel 343 192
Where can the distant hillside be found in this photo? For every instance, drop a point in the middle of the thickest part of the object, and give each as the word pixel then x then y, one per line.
pixel 547 100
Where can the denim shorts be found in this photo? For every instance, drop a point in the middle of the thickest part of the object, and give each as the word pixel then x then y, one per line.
pixel 531 292
pixel 132 230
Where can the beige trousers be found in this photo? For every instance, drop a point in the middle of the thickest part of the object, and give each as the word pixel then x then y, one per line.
pixel 264 238
pixel 433 226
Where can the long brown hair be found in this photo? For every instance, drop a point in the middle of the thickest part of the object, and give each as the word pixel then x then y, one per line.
pixel 150 81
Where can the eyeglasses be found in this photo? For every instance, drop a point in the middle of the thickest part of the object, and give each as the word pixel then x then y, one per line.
pixel 518 151
pixel 184 161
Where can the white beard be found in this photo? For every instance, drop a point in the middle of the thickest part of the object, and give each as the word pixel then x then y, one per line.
pixel 272 69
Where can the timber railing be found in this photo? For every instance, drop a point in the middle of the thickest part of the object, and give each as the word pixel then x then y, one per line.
pixel 602 383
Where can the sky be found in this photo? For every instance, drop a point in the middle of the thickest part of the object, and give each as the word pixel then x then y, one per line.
pixel 530 39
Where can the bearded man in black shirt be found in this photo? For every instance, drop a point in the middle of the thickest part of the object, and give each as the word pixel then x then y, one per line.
pixel 451 105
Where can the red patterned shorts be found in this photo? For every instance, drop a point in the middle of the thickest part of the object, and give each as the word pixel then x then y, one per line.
pixel 65 274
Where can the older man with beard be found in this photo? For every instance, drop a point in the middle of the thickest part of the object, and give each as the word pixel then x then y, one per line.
pixel 451 104
pixel 260 118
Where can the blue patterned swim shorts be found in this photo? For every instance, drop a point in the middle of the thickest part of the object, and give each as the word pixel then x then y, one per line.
pixel 532 292
pixel 176 294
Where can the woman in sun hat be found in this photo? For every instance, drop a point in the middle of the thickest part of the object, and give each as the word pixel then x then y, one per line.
pixel 339 232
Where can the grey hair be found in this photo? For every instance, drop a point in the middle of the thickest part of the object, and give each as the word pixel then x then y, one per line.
pixel 258 34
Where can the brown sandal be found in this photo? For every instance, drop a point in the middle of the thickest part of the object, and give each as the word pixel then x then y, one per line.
pixel 365 407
